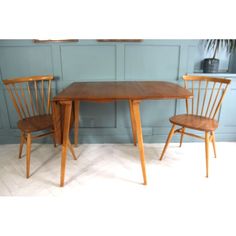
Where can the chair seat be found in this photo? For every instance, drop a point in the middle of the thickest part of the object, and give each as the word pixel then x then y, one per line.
pixel 194 122
pixel 36 123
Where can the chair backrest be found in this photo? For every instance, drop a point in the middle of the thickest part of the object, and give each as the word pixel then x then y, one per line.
pixel 30 95
pixel 208 94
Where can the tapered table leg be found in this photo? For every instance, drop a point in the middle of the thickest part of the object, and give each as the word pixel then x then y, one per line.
pixel 135 105
pixel 56 115
pixel 133 122
pixel 76 122
pixel 65 143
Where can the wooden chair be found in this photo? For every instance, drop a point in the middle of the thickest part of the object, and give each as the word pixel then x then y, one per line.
pixel 201 110
pixel 31 99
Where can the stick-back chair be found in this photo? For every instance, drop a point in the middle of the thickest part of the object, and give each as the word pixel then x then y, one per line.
pixel 202 110
pixel 31 97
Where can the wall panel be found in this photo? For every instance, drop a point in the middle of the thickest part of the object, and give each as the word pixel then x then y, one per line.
pixel 88 60
pixel 88 63
pixel 154 62
pixel 19 61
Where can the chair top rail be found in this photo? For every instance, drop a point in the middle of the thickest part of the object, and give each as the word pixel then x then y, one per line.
pixel 27 79
pixel 207 78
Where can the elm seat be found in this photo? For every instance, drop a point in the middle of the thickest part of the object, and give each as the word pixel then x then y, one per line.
pixel 36 123
pixel 201 111
pixel 195 122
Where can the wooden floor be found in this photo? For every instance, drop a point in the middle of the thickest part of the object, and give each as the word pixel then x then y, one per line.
pixel 107 180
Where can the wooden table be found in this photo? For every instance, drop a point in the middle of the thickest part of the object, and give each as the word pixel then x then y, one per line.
pixel 134 92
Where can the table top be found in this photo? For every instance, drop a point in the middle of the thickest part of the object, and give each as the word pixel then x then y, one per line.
pixel 122 90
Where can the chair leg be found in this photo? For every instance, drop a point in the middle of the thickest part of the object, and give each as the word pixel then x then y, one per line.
pixel 72 150
pixel 22 141
pixel 207 151
pixel 213 142
pixel 168 140
pixel 28 150
pixel 54 140
pixel 181 137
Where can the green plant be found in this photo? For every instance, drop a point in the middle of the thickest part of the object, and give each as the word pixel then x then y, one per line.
pixel 215 45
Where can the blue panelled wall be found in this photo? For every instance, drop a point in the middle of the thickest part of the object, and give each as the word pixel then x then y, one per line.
pixel 89 60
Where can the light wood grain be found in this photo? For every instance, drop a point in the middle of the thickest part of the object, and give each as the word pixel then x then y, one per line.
pixel 206 78
pixel 27 79
pixel 182 136
pixel 127 90
pixel 138 124
pixel 76 122
pixel 207 122
pixel 134 92
pixel 28 150
pixel 22 141
pixel 207 151
pixel 72 150
pixel 170 135
pixel 33 110
pixel 194 122
pixel 214 102
pixel 57 122
pixel 132 118
pixel 66 129
pixel 213 142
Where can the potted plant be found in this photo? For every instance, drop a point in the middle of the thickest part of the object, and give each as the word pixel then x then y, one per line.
pixel 211 65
